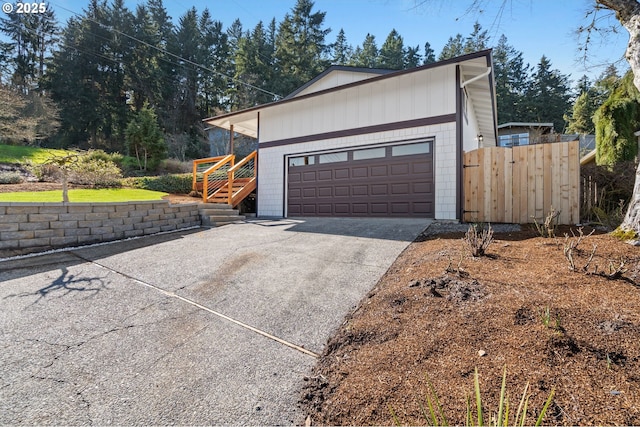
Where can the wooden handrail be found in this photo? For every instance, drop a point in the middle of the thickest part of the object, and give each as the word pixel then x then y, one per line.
pixel 231 171
pixel 199 162
pixel 205 175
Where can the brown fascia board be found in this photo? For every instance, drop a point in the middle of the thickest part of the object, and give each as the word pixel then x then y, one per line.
pixel 380 71
pixel 483 53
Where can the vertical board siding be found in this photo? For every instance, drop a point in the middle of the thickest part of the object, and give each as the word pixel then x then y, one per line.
pixel 516 185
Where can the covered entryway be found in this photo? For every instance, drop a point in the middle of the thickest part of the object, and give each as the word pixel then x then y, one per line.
pixel 391 180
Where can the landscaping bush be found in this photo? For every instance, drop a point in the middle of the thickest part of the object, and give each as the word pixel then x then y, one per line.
pixel 10 178
pixel 175 184
pixel 94 168
pixel 95 172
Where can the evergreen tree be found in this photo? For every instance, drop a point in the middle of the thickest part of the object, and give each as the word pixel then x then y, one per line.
pixel 412 57
pixel 144 139
pixel 454 47
pixel 301 51
pixel 588 101
pixel 548 96
pixel 477 41
pixel 367 55
pixel 615 123
pixel 512 81
pixel 32 37
pixel 391 55
pixel 342 51
pixel 254 61
pixel 429 54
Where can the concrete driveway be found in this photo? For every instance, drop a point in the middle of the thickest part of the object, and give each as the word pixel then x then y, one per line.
pixel 210 326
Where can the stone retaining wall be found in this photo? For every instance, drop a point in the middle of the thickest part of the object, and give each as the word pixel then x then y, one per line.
pixel 35 227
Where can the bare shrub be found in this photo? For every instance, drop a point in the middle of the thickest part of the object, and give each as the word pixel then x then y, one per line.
pixel 478 238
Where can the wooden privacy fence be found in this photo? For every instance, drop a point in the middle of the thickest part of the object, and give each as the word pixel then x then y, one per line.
pixel 516 185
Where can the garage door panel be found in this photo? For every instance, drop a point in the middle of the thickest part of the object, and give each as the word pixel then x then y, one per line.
pixel 402 169
pixel 379 208
pixel 325 175
pixel 400 208
pixel 341 173
pixel 360 172
pixel 401 189
pixel 400 186
pixel 342 191
pixel 342 209
pixel 325 191
pixel 379 189
pixel 379 171
pixel 309 176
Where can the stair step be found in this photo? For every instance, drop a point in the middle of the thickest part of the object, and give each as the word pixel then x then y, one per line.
pixel 218 212
pixel 223 218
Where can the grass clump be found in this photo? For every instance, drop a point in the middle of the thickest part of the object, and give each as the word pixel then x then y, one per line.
pixel 503 417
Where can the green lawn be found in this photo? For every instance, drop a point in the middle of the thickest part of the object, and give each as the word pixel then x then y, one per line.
pixel 22 154
pixel 84 196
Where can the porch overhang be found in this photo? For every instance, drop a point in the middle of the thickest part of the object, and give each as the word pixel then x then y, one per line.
pixel 244 122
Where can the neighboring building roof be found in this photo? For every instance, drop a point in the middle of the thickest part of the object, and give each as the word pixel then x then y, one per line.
pixel 590 157
pixel 359 73
pixel 478 80
pixel 524 125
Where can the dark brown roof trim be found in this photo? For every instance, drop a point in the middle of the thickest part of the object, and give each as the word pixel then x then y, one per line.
pixel 381 71
pixel 427 121
pixel 475 55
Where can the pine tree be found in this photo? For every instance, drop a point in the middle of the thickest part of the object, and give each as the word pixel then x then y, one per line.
pixel 301 51
pixel 454 47
pixel 429 54
pixel 512 80
pixel 342 51
pixel 367 55
pixel 144 139
pixel 548 96
pixel 391 55
pixel 477 41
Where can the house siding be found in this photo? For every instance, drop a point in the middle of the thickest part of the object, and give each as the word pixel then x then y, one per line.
pixel 426 93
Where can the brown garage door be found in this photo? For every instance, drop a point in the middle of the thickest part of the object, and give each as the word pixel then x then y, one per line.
pixel 380 181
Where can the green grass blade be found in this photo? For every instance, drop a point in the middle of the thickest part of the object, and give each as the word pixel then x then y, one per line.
pixel 521 406
pixel 468 418
pixel 545 407
pixel 478 399
pixel 440 419
pixel 396 420
pixel 503 390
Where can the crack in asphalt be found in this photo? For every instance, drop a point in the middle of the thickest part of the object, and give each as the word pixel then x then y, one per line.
pixel 170 294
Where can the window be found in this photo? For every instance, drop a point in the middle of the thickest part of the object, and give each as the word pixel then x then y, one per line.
pixel 333 157
pixel 513 140
pixel 409 149
pixel 370 153
pixel 301 161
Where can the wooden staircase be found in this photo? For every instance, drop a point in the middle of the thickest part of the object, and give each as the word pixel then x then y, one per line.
pixel 223 182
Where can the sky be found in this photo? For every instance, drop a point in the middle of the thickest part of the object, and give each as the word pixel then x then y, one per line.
pixel 533 27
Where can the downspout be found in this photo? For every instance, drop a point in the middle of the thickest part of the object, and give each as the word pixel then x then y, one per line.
pixel 476 78
pixel 459 149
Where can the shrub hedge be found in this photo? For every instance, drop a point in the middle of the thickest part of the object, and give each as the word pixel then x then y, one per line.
pixel 175 184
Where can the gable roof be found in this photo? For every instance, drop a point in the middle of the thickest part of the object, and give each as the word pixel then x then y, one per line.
pixel 355 73
pixel 476 75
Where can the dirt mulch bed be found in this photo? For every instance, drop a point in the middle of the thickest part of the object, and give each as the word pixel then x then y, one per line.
pixel 438 310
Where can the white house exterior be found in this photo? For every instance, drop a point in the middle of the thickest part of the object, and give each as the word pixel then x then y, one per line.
pixel 356 142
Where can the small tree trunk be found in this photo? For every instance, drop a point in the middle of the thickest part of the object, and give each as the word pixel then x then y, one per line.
pixel 65 186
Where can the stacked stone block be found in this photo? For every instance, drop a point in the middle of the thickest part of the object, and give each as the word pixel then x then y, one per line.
pixel 34 227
